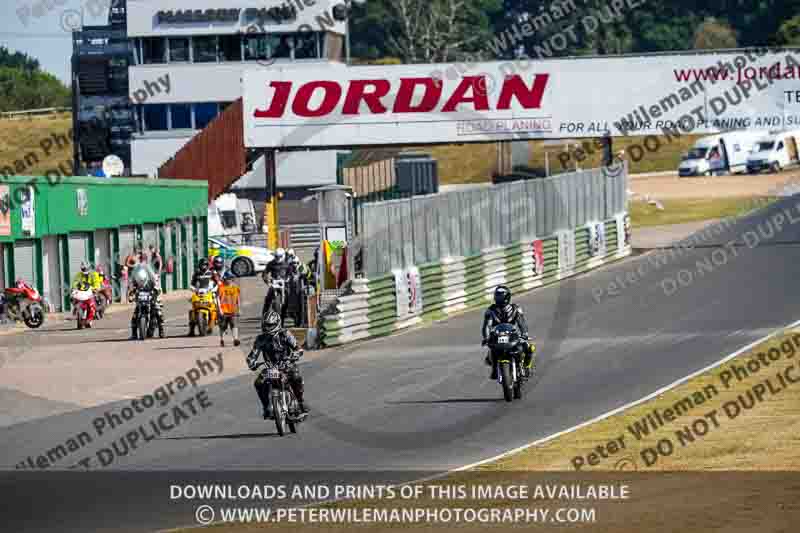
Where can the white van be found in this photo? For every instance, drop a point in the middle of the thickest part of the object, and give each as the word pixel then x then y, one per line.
pixel 774 152
pixel 719 154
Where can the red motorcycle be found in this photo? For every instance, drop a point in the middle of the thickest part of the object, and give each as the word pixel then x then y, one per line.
pixel 85 305
pixel 23 302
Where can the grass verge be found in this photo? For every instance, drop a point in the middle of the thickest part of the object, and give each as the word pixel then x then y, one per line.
pixel 740 419
pixel 31 147
pixel 677 211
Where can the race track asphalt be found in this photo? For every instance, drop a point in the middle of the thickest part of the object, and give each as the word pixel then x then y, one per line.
pixel 422 401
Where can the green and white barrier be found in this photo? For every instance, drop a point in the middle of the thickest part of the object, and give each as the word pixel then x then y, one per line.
pixel 402 299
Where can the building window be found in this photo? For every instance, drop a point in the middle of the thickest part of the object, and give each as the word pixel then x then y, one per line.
pixel 155 117
pixel 230 47
pixel 181 115
pixel 153 50
pixel 205 49
pixel 281 46
pixel 178 49
pixel 255 47
pixel 305 45
pixel 204 114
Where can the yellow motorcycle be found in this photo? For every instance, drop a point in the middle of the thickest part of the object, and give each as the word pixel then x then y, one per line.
pixel 203 315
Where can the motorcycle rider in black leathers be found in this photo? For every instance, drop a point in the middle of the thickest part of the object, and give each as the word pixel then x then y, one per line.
pixel 202 273
pixel 278 268
pixel 504 312
pixel 276 344
pixel 143 278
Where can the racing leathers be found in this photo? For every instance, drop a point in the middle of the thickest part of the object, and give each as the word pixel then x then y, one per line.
pixel 276 348
pixel 508 314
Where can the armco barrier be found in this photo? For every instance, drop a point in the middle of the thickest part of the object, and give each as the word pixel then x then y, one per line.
pixel 370 309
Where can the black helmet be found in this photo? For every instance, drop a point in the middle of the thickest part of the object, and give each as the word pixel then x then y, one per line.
pixel 202 264
pixel 502 296
pixel 271 323
pixel 218 263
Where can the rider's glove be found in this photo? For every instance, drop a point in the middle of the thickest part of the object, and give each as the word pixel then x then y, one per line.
pixel 252 362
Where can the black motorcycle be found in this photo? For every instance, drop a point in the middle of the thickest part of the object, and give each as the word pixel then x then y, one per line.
pixel 145 313
pixel 506 348
pixel 275 299
pixel 285 406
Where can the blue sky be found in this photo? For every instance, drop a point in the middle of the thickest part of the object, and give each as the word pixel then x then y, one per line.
pixel 29 26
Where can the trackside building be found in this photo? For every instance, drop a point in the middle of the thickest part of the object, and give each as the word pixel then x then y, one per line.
pixel 46 230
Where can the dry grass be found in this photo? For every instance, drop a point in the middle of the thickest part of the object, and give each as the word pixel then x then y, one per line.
pixel 678 211
pixel 28 148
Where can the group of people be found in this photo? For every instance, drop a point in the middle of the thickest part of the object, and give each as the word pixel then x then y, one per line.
pixel 287 266
pixel 217 278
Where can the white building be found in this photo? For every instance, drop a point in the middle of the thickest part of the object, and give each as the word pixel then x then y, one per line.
pixel 189 56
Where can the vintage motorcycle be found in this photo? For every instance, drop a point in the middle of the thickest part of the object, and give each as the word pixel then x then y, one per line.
pixel 85 305
pixel 203 314
pixel 506 348
pixel 23 302
pixel 285 406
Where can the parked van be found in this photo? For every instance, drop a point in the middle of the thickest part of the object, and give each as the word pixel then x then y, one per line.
pixel 774 152
pixel 719 154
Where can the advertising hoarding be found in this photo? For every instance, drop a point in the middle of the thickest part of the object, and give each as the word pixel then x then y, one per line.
pixel 582 97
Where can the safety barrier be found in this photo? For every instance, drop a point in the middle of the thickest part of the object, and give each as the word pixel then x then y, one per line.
pixel 401 299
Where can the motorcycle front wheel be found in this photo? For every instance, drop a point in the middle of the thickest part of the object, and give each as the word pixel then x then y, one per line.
pixel 142 333
pixel 202 324
pixel 34 317
pixel 280 415
pixel 505 372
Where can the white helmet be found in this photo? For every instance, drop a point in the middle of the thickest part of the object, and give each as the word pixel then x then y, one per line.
pixel 290 252
pixel 280 253
pixel 140 276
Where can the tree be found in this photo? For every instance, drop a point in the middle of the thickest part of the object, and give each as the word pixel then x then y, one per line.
pixel 713 34
pixel 789 32
pixel 432 31
pixel 17 60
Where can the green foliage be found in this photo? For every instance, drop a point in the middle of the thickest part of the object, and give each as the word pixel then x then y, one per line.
pixel 24 86
pixel 789 32
pixel 376 27
pixel 17 60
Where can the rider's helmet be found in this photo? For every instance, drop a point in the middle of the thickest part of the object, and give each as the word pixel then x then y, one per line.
pixel 290 253
pixel 100 270
pixel 84 267
pixel 271 323
pixel 502 296
pixel 228 276
pixel 218 263
pixel 20 283
pixel 202 265
pixel 280 254
pixel 139 276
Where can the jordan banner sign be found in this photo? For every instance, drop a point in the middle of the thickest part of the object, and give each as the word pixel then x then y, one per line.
pixel 293 106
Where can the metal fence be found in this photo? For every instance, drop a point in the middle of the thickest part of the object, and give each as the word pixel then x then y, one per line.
pixel 422 229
